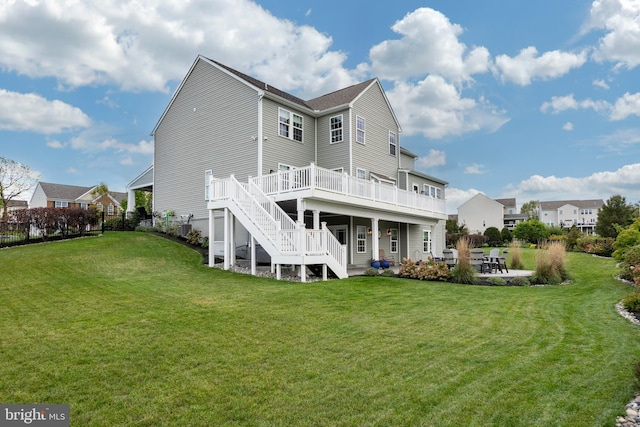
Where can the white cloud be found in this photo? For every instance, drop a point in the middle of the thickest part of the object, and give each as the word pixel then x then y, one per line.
pixel 432 159
pixel 127 161
pixel 528 66
pixel 620 19
pixel 435 109
pixel 143 45
pixel 72 170
pixel 456 197
pixel 562 103
pixel 601 84
pixel 33 113
pixel 429 44
pixel 625 181
pixel 55 144
pixel 475 169
pixel 567 126
pixel 627 105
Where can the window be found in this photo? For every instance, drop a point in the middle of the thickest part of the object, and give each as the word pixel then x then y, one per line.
pixel 99 206
pixel 288 120
pixel 360 129
pixel 415 188
pixel 431 191
pixel 110 209
pixel 207 182
pixel 393 143
pixel 426 241
pixel 361 173
pixel 393 241
pixel 361 239
pixel 59 204
pixel 84 206
pixel 336 129
pixel 339 170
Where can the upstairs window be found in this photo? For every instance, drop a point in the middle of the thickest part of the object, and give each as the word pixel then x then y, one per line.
pixel 336 129
pixel 393 143
pixel 289 125
pixel 110 209
pixel 360 129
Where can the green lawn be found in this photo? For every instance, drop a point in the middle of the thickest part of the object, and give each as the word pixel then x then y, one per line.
pixel 132 329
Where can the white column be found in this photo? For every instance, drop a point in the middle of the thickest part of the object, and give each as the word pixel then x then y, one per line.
pixel 253 256
pixel 212 228
pixel 232 239
pixel 225 264
pixel 316 220
pixel 131 200
pixel 375 242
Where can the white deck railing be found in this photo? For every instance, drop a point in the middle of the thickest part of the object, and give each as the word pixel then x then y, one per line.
pixel 289 237
pixel 314 177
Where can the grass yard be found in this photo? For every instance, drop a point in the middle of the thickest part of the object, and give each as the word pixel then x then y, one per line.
pixel 131 329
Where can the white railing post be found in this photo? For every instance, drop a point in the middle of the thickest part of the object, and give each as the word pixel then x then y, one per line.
pixel 325 238
pixel 312 176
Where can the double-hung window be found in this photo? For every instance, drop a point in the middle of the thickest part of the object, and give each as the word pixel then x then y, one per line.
pixel 393 143
pixel 336 129
pixel 426 241
pixel 361 239
pixel 110 209
pixel 360 129
pixel 289 125
pixel 393 241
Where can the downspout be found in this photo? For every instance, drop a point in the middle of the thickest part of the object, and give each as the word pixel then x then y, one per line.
pixel 259 137
pixel 315 138
pixel 350 145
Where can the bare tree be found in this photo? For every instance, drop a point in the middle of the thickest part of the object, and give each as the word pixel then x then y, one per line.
pixel 15 179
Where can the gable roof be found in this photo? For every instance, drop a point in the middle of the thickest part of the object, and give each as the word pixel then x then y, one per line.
pixel 509 202
pixel 63 192
pixel 581 204
pixel 340 97
pixel 481 196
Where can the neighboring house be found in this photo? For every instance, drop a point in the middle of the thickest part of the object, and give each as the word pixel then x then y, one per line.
pixel 567 213
pixel 16 205
pixel 72 196
pixel 481 212
pixel 315 182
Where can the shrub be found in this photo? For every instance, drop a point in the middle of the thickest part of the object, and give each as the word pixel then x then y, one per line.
pixel 463 272
pixel 595 245
pixel 632 302
pixel 371 272
pixel 494 238
pixel 388 273
pixel 426 270
pixel 474 240
pixel 626 239
pixel 194 236
pixel 205 242
pixel 515 255
pixel 520 281
pixel 630 262
pixel 531 231
pixel 506 235
pixel 550 268
pixel 145 229
pixel 496 281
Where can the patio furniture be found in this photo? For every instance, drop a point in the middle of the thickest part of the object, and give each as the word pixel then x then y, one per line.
pixel 492 260
pixel 450 257
pixel 383 257
pixel 477 260
pixel 502 259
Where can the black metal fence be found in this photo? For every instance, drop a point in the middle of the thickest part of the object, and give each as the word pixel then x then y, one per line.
pixel 49 224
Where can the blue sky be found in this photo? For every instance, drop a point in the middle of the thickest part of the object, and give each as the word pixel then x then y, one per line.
pixel 533 100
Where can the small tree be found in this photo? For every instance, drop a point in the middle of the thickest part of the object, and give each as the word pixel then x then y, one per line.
pixel 15 180
pixel 506 234
pixel 615 215
pixel 530 209
pixel 494 238
pixel 531 231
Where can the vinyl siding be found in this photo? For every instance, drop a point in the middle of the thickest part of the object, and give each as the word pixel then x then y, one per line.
pixel 211 120
pixel 373 156
pixel 407 162
pixel 277 149
pixel 39 199
pixel 336 155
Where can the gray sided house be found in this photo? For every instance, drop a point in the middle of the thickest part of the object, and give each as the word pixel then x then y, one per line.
pixel 321 182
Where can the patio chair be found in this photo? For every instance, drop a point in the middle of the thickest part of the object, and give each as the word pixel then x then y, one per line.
pixel 502 259
pixel 450 257
pixel 478 260
pixel 493 260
